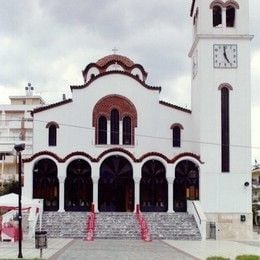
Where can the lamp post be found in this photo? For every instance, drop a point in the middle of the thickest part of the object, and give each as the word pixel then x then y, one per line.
pixel 19 148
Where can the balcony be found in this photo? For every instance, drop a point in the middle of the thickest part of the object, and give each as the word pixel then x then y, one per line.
pixel 255 184
pixel 9 159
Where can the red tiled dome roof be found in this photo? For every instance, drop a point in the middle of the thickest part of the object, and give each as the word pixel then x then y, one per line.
pixel 115 57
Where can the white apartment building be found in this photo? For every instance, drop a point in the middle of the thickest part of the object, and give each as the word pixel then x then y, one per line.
pixel 16 126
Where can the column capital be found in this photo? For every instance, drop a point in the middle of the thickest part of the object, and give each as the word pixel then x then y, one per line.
pixel 61 179
pixel 137 179
pixel 95 179
pixel 170 179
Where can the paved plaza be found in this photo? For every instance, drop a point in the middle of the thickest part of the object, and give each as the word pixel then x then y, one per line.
pixel 131 249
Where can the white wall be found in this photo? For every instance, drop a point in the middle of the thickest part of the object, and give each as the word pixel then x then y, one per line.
pixel 154 120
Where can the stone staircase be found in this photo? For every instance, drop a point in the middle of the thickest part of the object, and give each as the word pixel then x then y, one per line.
pixel 116 225
pixel 175 226
pixel 64 224
pixel 121 225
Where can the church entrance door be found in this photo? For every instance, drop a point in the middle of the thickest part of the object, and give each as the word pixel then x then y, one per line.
pixel 46 184
pixel 116 185
pixel 186 185
pixel 78 186
pixel 153 187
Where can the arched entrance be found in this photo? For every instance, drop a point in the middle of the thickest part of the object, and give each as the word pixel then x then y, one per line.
pixel 153 187
pixel 186 185
pixel 46 184
pixel 78 186
pixel 116 185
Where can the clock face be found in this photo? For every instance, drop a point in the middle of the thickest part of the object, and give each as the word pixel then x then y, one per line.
pixel 225 56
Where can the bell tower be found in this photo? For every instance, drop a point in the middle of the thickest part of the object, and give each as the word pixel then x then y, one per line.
pixel 221 106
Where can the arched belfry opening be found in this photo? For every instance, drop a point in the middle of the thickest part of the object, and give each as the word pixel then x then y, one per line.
pixel 46 184
pixel 116 185
pixel 153 187
pixel 186 185
pixel 78 186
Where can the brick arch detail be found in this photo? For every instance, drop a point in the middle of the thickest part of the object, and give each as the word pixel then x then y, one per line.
pixel 105 105
pixel 225 85
pixel 232 3
pixel 217 3
pixel 178 125
pixel 112 150
pixel 52 123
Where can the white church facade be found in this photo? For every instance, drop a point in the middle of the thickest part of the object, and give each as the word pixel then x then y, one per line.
pixel 116 145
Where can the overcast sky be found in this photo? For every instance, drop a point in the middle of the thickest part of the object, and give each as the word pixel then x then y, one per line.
pixel 49 43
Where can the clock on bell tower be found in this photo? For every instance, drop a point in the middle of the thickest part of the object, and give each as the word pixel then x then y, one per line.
pixel 221 97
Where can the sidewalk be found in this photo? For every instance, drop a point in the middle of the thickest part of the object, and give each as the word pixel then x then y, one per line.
pixel 189 249
pixel 10 249
pixel 228 249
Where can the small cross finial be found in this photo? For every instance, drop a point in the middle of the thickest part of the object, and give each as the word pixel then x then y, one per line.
pixel 115 50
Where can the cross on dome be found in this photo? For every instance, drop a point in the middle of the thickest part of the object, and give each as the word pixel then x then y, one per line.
pixel 115 50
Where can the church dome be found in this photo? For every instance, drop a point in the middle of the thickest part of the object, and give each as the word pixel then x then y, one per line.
pixel 115 58
pixel 114 63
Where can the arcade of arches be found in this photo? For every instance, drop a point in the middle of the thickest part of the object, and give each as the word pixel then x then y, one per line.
pixel 116 189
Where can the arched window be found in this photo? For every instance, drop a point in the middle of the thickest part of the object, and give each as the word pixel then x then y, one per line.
pixel 120 115
pixel 217 16
pixel 230 16
pixel 127 135
pixel 102 130
pixel 176 136
pixel 52 135
pixel 114 126
pixel 225 156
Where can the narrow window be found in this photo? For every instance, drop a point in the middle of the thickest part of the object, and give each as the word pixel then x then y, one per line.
pixel 52 135
pixel 102 130
pixel 217 16
pixel 225 129
pixel 114 126
pixel 230 16
pixel 127 131
pixel 176 136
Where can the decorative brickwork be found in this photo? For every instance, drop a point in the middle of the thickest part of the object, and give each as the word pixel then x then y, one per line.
pixel 116 72
pixel 105 105
pixel 52 123
pixel 102 65
pixel 113 150
pixel 177 124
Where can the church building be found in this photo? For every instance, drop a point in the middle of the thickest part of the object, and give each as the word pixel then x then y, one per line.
pixel 116 145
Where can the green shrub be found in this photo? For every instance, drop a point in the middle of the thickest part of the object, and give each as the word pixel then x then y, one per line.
pixel 248 257
pixel 217 258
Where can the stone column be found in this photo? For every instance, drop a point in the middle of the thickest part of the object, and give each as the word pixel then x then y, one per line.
pixel 108 132
pixel 120 132
pixel 95 178
pixel 137 177
pixel 170 193
pixel 95 192
pixel 61 193
pixel 137 190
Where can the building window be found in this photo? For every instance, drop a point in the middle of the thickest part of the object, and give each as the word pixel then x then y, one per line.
pixel 102 130
pixel 52 135
pixel 225 153
pixel 230 16
pixel 176 136
pixel 114 126
pixel 217 16
pixel 121 119
pixel 127 135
